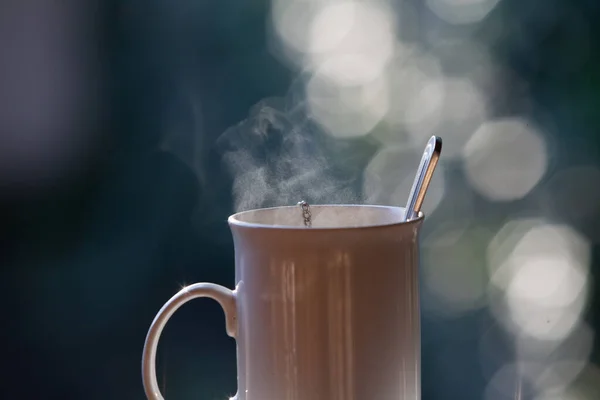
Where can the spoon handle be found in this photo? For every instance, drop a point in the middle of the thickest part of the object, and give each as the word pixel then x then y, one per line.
pixel 430 158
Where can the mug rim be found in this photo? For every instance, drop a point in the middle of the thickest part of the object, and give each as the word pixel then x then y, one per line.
pixel 234 220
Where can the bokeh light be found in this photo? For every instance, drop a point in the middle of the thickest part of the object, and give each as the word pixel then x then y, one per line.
pixel 351 42
pixel 462 11
pixel 449 107
pixel 346 111
pixel 505 159
pixel 345 48
pixel 409 73
pixel 290 19
pixel 552 365
pixel 541 271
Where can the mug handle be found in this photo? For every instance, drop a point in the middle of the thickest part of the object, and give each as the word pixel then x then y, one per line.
pixel 225 297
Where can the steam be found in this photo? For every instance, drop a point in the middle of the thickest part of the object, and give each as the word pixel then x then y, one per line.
pixel 278 156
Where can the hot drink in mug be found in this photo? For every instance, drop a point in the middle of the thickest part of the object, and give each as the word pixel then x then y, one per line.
pixel 325 305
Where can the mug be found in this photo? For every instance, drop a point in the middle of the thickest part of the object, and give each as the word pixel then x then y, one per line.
pixel 326 312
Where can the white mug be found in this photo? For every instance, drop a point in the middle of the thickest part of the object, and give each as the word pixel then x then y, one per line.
pixel 327 312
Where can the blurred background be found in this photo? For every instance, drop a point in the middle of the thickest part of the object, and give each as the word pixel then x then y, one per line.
pixel 130 130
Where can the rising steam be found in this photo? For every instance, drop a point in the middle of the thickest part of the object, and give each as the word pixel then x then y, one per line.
pixel 278 156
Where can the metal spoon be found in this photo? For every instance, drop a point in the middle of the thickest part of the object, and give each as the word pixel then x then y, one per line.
pixel 430 158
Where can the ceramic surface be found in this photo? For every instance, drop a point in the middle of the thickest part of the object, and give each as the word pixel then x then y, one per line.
pixel 329 312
